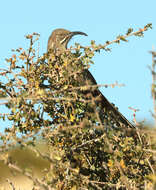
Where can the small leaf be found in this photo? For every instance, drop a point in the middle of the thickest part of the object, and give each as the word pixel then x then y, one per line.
pixel 130 30
pixel 122 164
pixel 110 163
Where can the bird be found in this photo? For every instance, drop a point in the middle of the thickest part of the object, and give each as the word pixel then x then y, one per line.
pixel 58 41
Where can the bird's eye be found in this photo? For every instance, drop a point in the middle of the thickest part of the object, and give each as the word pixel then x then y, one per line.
pixel 62 35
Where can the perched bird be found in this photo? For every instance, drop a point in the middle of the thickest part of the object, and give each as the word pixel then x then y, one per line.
pixel 59 38
pixel 58 41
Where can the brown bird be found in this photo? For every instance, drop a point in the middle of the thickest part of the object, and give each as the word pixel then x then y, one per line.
pixel 58 40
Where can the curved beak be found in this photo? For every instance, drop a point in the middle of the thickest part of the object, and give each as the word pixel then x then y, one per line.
pixel 70 35
pixel 77 33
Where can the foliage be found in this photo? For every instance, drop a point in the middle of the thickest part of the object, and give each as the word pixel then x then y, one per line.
pixel 47 98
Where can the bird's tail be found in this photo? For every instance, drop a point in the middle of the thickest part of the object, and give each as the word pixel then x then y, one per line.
pixel 111 108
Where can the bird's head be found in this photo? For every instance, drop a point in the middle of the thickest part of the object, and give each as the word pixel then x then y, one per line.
pixel 60 37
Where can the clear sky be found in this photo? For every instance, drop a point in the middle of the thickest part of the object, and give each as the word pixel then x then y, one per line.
pixel 102 20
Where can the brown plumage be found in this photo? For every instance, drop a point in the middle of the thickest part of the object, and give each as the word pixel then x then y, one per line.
pixel 58 40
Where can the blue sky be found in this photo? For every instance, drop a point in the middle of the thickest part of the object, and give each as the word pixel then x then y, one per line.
pixel 101 20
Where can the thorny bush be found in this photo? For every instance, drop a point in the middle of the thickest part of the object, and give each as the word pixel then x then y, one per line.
pixel 45 100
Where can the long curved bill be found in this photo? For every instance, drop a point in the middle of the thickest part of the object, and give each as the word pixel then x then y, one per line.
pixel 70 35
pixel 77 33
